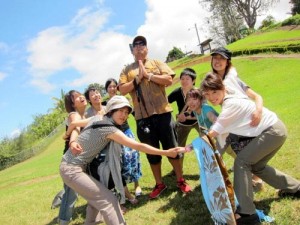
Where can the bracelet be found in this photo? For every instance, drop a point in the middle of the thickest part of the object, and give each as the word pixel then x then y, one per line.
pixel 71 142
pixel 149 78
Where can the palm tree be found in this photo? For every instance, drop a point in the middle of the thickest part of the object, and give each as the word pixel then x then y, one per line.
pixel 60 102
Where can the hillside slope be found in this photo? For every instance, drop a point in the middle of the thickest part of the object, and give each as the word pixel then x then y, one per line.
pixel 28 188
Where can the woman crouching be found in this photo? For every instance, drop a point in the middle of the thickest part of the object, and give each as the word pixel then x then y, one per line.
pixel 93 139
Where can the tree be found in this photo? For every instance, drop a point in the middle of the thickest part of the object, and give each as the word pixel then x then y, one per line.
pixel 60 102
pixel 174 54
pixel 250 9
pixel 98 87
pixel 295 7
pixel 268 21
pixel 225 24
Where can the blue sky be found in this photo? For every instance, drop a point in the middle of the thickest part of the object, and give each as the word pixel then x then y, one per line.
pixel 49 45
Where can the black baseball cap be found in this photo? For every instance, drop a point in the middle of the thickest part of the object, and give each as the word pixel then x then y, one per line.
pixel 139 38
pixel 223 52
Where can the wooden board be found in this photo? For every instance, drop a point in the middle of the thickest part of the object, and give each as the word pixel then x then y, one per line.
pixel 212 184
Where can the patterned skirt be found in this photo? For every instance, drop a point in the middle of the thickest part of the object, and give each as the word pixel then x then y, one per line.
pixel 131 166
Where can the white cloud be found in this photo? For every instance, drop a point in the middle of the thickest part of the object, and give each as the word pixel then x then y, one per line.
pixel 97 53
pixel 2 76
pixel 43 85
pixel 15 133
pixel 280 11
pixel 83 45
pixel 167 27
pixel 49 52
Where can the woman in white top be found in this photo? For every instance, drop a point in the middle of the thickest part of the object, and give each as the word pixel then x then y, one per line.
pixel 268 136
pixel 221 65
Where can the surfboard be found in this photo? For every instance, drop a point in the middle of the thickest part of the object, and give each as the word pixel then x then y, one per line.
pixel 212 183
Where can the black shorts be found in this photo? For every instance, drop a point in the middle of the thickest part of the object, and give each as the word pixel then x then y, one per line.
pixel 155 130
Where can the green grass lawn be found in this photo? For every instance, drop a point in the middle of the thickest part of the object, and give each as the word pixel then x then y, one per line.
pixel 27 189
pixel 281 37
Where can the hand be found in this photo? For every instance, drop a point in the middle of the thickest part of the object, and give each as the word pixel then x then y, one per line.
pixel 66 137
pixel 142 70
pixel 181 117
pixel 75 148
pixel 172 152
pixel 181 149
pixel 255 119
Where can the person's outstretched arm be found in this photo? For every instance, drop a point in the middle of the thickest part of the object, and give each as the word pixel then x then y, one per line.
pixel 122 139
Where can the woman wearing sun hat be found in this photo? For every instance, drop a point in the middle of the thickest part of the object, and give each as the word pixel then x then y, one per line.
pixel 93 139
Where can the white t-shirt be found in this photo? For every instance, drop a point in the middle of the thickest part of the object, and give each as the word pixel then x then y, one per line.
pixel 237 88
pixel 235 118
pixel 234 85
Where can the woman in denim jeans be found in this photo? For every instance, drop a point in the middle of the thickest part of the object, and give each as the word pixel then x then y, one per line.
pixel 75 104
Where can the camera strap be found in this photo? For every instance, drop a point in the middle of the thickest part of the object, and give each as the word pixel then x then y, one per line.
pixel 139 95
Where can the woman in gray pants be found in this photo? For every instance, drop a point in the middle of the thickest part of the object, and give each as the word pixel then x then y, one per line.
pixel 93 139
pixel 267 138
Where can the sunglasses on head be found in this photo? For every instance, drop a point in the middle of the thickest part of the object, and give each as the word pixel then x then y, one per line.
pixel 139 43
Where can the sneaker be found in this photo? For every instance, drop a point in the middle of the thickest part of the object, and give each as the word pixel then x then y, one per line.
pixel 57 199
pixel 133 201
pixel 248 220
pixel 284 194
pixel 183 186
pixel 157 190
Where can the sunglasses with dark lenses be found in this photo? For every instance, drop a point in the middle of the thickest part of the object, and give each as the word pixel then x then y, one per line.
pixel 139 43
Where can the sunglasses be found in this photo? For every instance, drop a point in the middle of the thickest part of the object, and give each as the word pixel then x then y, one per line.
pixel 139 43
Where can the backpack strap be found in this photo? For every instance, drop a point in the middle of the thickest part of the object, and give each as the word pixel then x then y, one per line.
pixel 98 125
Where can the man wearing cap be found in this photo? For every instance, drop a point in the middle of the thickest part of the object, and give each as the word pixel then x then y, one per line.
pixel 145 80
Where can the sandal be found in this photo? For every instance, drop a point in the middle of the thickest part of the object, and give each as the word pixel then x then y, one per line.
pixel 138 192
pixel 242 219
pixel 123 209
pixel 133 201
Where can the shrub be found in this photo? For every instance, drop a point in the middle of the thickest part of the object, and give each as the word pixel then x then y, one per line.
pixel 268 21
pixel 294 20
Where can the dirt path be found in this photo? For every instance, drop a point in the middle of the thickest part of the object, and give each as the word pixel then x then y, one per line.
pixel 251 57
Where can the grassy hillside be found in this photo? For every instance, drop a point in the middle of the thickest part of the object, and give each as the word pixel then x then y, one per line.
pixel 27 189
pixel 286 38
